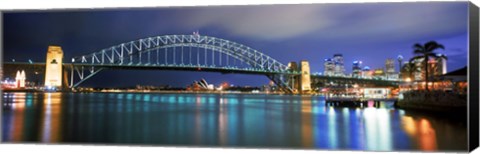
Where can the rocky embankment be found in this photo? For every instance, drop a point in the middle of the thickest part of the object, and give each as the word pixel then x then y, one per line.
pixel 433 101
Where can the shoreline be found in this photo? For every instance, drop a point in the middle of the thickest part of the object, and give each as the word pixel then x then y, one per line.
pixel 165 92
pixel 20 90
pixel 434 101
pixel 431 107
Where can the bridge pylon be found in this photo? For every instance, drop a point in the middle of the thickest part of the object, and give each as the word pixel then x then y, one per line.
pixel 305 82
pixel 54 67
pixel 300 83
pixel 294 79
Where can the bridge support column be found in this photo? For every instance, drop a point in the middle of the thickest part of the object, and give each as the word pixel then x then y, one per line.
pixel 54 67
pixel 65 85
pixel 305 82
pixel 294 79
pixel 72 71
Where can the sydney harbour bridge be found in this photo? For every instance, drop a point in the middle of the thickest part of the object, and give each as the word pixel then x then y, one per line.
pixel 186 53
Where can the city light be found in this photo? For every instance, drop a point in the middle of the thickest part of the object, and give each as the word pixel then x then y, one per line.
pixel 408 80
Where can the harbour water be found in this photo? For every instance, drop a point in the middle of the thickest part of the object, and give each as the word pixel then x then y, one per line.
pixel 226 120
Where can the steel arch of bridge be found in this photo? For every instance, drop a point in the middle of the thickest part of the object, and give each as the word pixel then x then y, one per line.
pixel 182 52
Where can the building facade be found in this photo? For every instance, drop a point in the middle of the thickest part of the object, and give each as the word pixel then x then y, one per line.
pixel 334 66
pixel 418 70
pixel 379 73
pixel 366 72
pixel 390 69
pixel 357 69
pixel 441 64
pixel 329 67
pixel 339 65
pixel 436 67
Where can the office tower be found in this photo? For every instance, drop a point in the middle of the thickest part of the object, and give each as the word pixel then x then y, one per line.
pixel 329 67
pixel 418 69
pixel 339 65
pixel 441 64
pixel 390 68
pixel 357 69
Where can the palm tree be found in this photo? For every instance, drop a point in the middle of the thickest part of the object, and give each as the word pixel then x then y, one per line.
pixel 424 52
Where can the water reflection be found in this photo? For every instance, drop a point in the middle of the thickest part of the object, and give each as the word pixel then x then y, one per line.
pixel 51 120
pixel 221 120
pixel 18 117
pixel 332 128
pixel 377 128
pixel 422 130
pixel 307 137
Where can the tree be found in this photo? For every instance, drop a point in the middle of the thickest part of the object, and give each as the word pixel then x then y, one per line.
pixel 424 52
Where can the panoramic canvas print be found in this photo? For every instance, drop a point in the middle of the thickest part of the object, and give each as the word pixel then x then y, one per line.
pixel 358 76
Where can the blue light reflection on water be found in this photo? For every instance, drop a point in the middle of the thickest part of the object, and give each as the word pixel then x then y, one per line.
pixel 220 120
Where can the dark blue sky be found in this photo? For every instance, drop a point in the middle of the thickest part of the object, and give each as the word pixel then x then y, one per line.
pixel 371 32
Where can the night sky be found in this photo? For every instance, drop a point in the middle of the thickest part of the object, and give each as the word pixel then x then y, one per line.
pixel 370 32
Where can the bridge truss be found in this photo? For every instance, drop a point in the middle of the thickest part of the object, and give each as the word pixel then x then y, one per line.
pixel 182 52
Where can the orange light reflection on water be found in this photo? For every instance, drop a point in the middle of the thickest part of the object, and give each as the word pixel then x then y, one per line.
pixel 427 137
pixel 307 134
pixel 422 130
pixel 51 120
pixel 18 107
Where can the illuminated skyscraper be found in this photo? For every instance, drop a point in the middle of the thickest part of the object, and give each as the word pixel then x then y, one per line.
pixel 441 64
pixel 339 65
pixel 329 66
pixel 390 68
pixel 419 69
pixel 357 69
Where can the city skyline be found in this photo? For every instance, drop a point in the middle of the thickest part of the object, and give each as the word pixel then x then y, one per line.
pixel 313 37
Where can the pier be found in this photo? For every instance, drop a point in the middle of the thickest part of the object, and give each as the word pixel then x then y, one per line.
pixel 355 102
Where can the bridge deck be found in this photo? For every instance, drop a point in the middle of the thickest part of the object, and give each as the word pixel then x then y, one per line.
pixel 224 70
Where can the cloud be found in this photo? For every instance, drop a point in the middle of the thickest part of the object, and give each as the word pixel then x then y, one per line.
pixel 403 21
pixel 362 22
pixel 262 22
